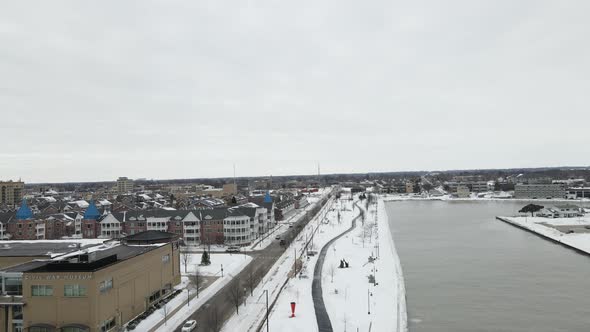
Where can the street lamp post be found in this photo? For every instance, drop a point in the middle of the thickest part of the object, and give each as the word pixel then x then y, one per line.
pixel 222 270
pixel 266 291
pixel 369 300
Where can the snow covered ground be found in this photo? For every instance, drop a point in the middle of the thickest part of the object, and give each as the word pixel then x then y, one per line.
pixel 348 308
pixel 298 290
pixel 354 303
pixel 578 240
pixel 253 313
pixel 232 264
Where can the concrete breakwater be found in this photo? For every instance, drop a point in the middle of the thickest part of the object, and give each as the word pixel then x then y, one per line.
pixel 550 237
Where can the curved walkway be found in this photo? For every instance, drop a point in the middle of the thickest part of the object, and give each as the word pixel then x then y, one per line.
pixel 324 324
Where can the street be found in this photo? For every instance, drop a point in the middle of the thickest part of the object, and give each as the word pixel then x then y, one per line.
pixel 220 307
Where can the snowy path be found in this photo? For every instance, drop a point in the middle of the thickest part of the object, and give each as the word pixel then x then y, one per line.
pixel 322 317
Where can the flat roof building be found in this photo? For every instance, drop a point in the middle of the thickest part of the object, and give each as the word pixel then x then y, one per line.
pixel 540 191
pixel 11 192
pixel 94 289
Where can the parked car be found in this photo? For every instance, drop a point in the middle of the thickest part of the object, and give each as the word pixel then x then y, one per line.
pixel 282 242
pixel 278 237
pixel 189 325
pixel 232 249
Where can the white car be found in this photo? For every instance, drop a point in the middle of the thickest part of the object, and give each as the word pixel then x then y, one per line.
pixel 189 325
pixel 232 249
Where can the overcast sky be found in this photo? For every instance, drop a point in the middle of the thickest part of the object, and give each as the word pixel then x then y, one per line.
pixel 167 89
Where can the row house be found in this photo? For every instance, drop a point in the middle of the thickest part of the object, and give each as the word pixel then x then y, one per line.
pixel 23 225
pixel 238 225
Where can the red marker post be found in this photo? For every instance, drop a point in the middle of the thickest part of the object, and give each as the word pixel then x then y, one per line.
pixel 292 309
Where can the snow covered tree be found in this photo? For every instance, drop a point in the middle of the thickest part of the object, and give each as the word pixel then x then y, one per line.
pixel 205 259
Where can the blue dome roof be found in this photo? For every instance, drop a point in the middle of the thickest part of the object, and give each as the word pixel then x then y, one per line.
pixel 91 212
pixel 24 212
pixel 267 198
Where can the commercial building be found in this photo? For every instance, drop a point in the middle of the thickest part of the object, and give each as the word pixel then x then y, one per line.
pixel 11 192
pixel 579 192
pixel 540 191
pixel 124 185
pixel 94 289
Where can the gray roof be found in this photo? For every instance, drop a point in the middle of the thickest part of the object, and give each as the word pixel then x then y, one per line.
pixel 102 258
pixel 37 248
pixel 143 214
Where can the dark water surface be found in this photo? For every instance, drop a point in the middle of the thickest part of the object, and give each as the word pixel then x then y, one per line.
pixel 466 271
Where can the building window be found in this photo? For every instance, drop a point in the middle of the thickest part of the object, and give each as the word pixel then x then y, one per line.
pixel 104 286
pixel 74 291
pixel 38 329
pixel 107 325
pixel 13 286
pixel 41 290
pixel 166 258
pixel 73 329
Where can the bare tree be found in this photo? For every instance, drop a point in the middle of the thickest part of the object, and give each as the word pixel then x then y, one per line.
pixel 235 293
pixel 186 258
pixel 332 271
pixel 196 280
pixel 251 279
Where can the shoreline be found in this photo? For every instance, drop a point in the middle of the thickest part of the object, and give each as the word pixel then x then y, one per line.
pixel 395 198
pixel 389 245
pixel 544 234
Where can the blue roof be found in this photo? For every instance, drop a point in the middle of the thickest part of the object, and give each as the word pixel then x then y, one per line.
pixel 24 212
pixel 91 212
pixel 267 198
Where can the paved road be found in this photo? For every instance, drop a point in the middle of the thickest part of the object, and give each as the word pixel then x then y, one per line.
pixel 211 315
pixel 322 317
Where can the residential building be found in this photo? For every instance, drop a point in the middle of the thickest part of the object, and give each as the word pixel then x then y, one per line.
pixel 124 185
pixel 11 192
pixel 540 191
pixel 230 189
pixel 478 186
pixel 90 290
pixel 463 191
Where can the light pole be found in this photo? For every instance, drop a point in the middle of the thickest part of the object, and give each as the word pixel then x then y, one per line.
pixel 266 291
pixel 369 300
pixel 222 270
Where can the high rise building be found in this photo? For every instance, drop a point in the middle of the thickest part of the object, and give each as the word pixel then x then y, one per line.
pixel 11 192
pixel 124 185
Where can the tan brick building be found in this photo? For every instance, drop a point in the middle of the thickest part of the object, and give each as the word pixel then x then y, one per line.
pixel 94 289
pixel 11 192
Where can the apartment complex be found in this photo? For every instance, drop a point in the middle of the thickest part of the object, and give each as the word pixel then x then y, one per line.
pixel 124 185
pixel 11 192
pixel 540 191
pixel 93 289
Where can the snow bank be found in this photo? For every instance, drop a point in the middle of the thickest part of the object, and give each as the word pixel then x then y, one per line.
pixel 390 264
